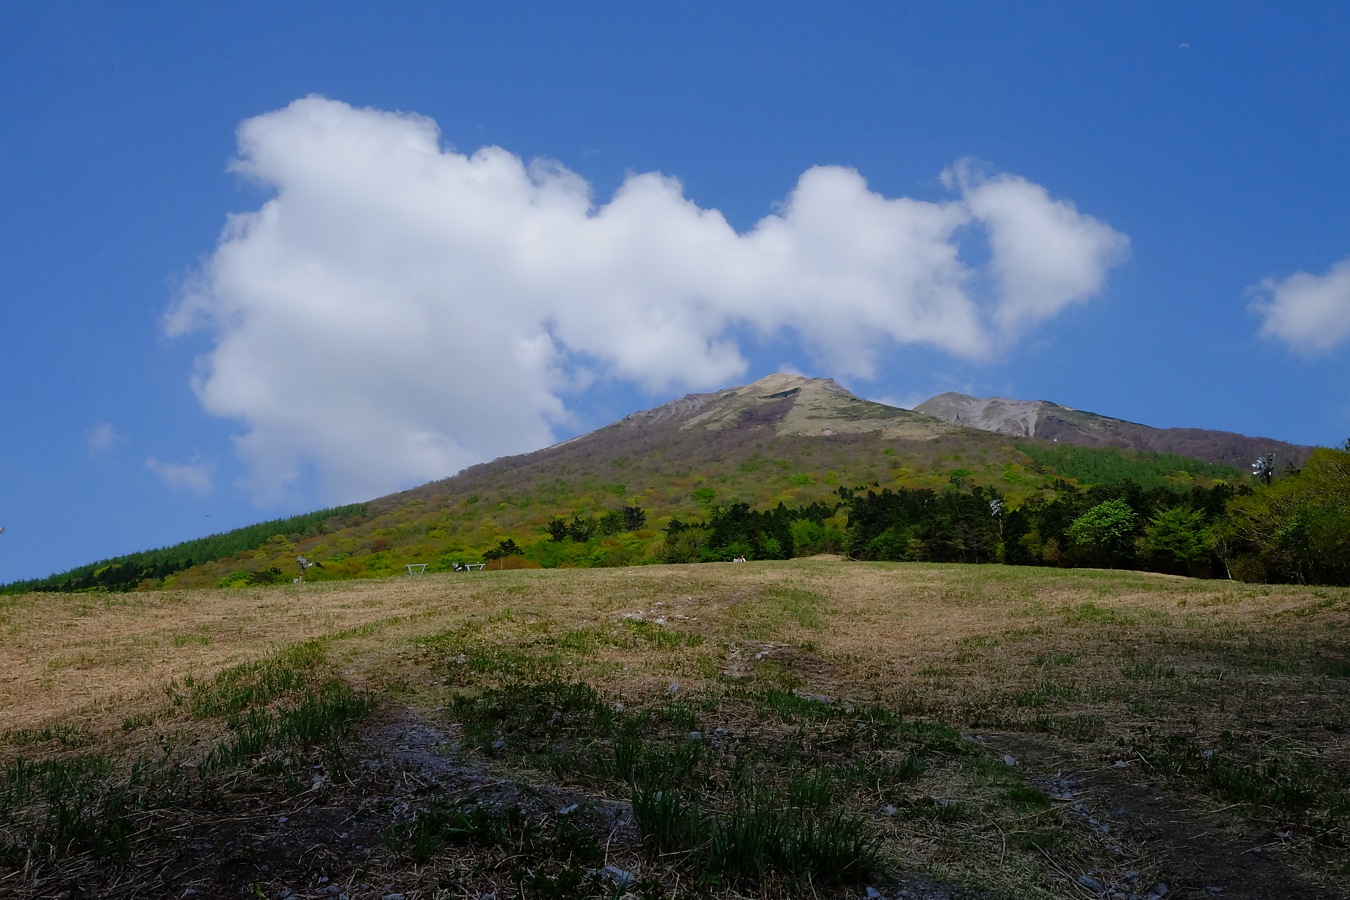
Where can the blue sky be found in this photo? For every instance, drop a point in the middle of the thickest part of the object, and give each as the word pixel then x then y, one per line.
pixel 254 263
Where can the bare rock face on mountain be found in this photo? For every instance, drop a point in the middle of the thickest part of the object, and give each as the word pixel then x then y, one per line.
pixel 789 404
pixel 1052 422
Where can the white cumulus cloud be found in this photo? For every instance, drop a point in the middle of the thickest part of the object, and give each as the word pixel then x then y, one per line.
pixel 398 309
pixel 1045 254
pixel 1309 313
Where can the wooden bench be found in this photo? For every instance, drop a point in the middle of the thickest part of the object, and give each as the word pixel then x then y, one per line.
pixel 468 567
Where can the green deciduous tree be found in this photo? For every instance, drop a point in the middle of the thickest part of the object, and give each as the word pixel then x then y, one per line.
pixel 1296 529
pixel 1178 540
pixel 1104 535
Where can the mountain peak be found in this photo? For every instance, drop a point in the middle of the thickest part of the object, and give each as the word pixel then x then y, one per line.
pixel 787 404
pixel 780 383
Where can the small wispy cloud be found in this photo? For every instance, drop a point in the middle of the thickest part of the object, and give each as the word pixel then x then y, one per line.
pixel 1309 313
pixel 102 438
pixel 193 475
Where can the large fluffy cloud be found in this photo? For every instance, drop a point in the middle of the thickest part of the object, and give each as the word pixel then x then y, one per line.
pixel 1045 255
pixel 398 310
pixel 1309 313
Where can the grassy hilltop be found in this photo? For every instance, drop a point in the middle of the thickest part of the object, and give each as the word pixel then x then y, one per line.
pixel 803 728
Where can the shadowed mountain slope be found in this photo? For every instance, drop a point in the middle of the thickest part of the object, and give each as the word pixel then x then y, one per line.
pixel 1052 422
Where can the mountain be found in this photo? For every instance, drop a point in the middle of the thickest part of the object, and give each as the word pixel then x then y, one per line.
pixel 1052 422
pixel 783 439
pixel 789 405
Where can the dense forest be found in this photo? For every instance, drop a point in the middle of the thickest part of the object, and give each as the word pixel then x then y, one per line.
pixel 1295 529
pixel 124 573
pixel 1109 465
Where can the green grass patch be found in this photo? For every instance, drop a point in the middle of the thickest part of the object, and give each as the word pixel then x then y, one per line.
pixel 1290 789
pixel 277 714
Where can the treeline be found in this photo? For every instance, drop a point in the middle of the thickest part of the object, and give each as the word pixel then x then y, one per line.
pixel 955 524
pixel 1121 526
pixel 582 528
pixel 737 531
pixel 1124 526
pixel 1294 530
pixel 125 573
pixel 1110 465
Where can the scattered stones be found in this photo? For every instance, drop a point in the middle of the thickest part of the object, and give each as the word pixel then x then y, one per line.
pixel 673 689
pixel 1093 884
pixel 1009 760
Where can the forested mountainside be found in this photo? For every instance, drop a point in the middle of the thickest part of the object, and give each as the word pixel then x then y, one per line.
pixel 785 466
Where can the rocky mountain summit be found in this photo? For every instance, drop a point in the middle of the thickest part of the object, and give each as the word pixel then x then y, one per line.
pixel 790 405
pixel 1050 421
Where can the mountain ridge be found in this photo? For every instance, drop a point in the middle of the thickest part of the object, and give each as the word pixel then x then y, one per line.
pixel 1050 421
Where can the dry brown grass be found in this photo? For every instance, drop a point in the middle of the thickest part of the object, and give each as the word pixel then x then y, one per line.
pixel 85 656
pixel 1062 669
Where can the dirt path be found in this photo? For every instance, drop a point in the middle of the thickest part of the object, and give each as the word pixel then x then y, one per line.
pixel 1191 852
